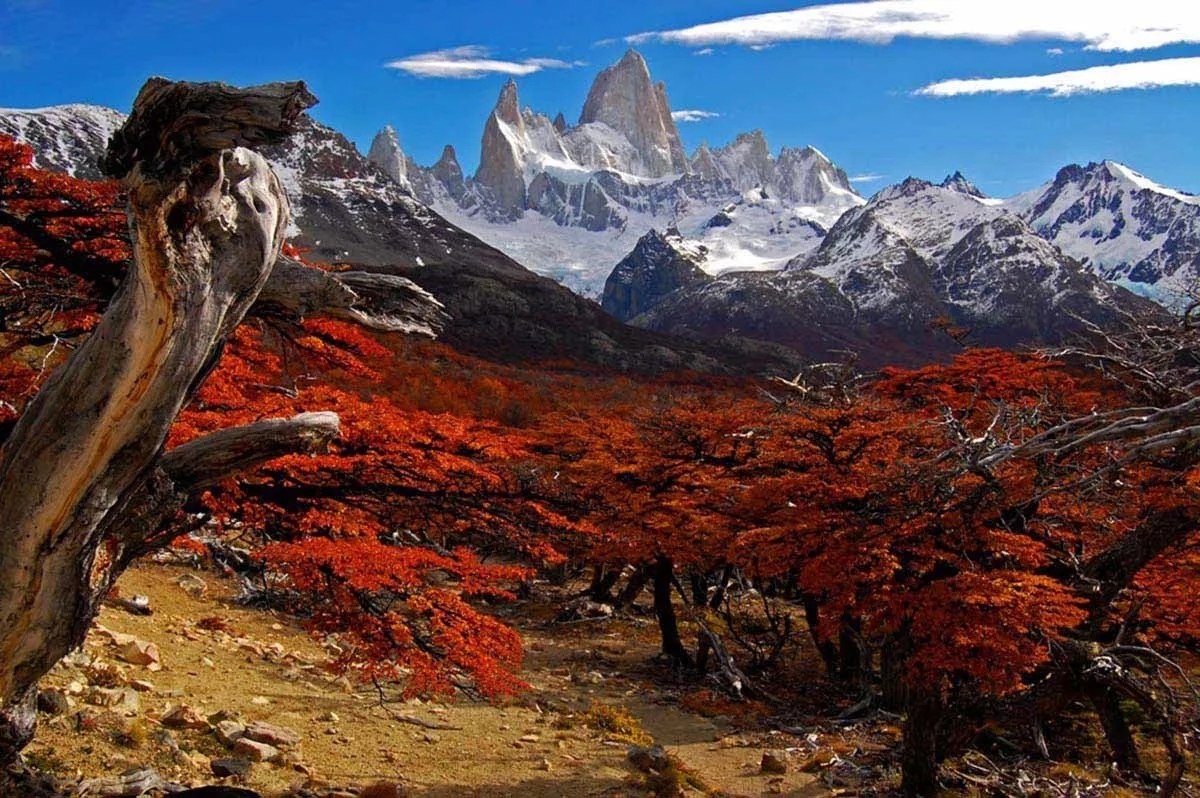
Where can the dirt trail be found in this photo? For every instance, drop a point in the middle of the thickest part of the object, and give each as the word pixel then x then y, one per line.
pixel 263 667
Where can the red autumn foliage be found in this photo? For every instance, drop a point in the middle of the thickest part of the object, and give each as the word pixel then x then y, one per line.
pixel 877 509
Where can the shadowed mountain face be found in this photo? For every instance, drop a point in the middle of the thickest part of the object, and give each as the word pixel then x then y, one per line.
pixel 348 210
pixel 887 278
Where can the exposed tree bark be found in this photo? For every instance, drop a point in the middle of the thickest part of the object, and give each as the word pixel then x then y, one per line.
pixel 1116 729
pixel 919 754
pixel 84 483
pixel 664 610
pixel 826 648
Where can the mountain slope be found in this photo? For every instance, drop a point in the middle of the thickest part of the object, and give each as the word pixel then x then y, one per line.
pixel 889 275
pixel 347 210
pixel 1122 225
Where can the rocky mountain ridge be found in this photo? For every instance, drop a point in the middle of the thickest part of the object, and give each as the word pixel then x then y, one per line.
pixel 348 210
pixel 887 282
pixel 568 200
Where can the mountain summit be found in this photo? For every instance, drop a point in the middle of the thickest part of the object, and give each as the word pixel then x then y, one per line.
pixel 624 98
pixel 570 201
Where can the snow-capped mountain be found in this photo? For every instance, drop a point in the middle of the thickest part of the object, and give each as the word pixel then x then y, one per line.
pixel 1123 225
pixel 348 210
pixel 889 275
pixel 569 201
pixel 65 138
pixel 660 264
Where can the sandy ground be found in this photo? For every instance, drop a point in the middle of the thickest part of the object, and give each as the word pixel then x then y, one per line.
pixel 262 666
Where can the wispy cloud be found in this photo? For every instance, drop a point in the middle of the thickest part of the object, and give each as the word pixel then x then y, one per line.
pixel 1135 75
pixel 693 115
pixel 704 51
pixel 869 178
pixel 472 61
pixel 1109 25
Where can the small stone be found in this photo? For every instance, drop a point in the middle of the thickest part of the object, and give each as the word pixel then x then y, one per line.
pixel 272 735
pixel 229 731
pixel 230 767
pixel 543 764
pixel 181 716
pixel 142 686
pixel 120 699
pixel 140 652
pixel 529 738
pixel 260 700
pixel 328 717
pixel 430 737
pixel 256 751
pixel 774 761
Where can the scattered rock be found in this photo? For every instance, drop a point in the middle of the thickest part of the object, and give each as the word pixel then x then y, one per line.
pixel 119 699
pixel 272 735
pixel 230 766
pixel 649 759
pixel 140 652
pixel 775 761
pixel 182 716
pixel 543 764
pixel 142 686
pixel 256 751
pixel 229 731
pixel 529 738
pixel 53 702
pixel 193 585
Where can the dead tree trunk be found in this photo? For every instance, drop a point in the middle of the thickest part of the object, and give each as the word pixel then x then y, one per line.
pixel 84 483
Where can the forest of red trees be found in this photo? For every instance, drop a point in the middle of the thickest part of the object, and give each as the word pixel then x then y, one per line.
pixel 977 545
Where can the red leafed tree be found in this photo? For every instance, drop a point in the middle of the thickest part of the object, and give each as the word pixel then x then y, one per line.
pixel 922 534
pixel 368 515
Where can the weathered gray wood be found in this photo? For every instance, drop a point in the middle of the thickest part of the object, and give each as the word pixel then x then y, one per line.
pixel 384 302
pixel 207 219
pixel 199 463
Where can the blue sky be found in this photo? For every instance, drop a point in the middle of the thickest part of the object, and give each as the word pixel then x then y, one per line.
pixel 864 82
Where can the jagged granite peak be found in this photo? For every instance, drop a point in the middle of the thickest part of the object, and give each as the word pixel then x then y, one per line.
pixel 624 98
pixel 747 161
pixel 560 123
pixel 958 182
pixel 543 186
pixel 508 105
pixel 1122 225
pixel 501 159
pixel 65 138
pixel 659 264
pixel 386 153
pixel 808 177
pixel 449 173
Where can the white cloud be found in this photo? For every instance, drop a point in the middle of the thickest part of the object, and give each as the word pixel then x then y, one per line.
pixel 1055 51
pixel 472 61
pixel 1135 75
pixel 704 51
pixel 870 178
pixel 1110 25
pixel 693 115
